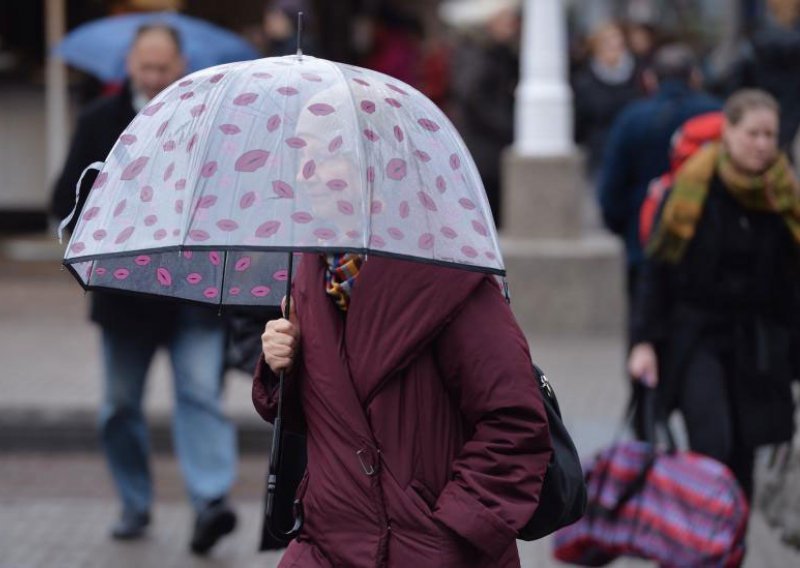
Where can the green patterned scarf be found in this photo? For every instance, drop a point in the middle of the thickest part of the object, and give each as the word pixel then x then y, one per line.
pixel 775 190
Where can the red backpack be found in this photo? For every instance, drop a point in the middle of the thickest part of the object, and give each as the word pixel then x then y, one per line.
pixel 688 138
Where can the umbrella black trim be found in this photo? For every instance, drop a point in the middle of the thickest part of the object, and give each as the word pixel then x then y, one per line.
pixel 320 250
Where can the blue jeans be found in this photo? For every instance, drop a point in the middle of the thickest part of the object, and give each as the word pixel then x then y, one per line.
pixel 204 439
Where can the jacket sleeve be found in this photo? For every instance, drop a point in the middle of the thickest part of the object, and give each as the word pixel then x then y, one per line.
pixel 497 477
pixel 614 191
pixel 80 155
pixel 651 303
pixel 265 396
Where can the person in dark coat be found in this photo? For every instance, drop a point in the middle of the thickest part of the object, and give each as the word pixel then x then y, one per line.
pixel 602 88
pixel 484 77
pixel 719 299
pixel 133 328
pixel 427 437
pixel 771 61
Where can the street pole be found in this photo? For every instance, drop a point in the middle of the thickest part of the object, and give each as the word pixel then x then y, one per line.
pixel 56 100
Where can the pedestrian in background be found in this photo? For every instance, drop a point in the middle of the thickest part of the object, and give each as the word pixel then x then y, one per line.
pixel 484 76
pixel 427 438
pixel 638 146
pixel 133 329
pixel 717 322
pixel 606 83
pixel 771 61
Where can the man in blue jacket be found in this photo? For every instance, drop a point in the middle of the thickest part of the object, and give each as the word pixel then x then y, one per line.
pixel 637 151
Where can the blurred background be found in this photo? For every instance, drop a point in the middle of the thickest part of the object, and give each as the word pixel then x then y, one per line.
pixel 56 498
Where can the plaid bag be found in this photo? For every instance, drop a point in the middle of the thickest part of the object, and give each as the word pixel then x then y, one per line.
pixel 677 508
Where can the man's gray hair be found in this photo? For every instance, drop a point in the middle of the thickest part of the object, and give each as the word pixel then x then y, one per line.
pixel 675 61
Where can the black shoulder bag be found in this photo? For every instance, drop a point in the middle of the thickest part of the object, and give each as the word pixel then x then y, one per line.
pixel 562 500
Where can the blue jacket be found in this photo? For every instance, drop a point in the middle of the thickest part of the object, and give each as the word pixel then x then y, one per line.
pixel 638 151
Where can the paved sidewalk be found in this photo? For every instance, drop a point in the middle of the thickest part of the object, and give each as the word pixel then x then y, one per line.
pixel 55 508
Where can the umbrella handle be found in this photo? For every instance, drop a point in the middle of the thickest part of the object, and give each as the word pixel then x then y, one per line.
pixel 275 450
pixel 65 221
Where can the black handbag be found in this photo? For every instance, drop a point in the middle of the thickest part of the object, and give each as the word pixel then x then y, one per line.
pixel 562 500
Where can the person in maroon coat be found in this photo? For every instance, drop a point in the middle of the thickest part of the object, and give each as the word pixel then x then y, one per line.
pixel 427 436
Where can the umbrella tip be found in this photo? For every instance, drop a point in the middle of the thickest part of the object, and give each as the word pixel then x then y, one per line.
pixel 299 34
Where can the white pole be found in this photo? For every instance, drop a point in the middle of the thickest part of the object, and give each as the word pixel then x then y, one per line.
pixel 56 99
pixel 543 118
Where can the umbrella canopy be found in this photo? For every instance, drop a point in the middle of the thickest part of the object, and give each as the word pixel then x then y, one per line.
pixel 229 169
pixel 100 47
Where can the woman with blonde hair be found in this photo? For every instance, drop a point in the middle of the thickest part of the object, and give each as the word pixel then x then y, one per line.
pixel 717 317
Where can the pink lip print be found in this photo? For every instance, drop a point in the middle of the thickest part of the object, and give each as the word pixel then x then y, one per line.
pixel 242 264
pixel 466 203
pixel 150 220
pixel 120 207
pixel 168 171
pixel 152 109
pixel 336 184
pixel 449 232
pixel 245 99
pixel 352 234
pixel 216 78
pixel 324 234
pixel 134 168
pixel 455 161
pixel 234 291
pixel 192 141
pixel 187 254
pixel 281 275
pixel 428 124
pixel 77 248
pixel 210 292
pixel 426 241
pixel 469 251
pixel 251 161
pixel 345 207
pixel 146 193
pixel 99 234
pixel 179 206
pixel 227 225
pixel 395 233
pixel 142 260
pixel 121 273
pixel 427 202
pixel 194 278
pixel 273 123
pixel 295 142
pixel 398 133
pixel 162 128
pixel 393 102
pixel 262 75
pixel 100 271
pixel 424 156
pixel 368 106
pixel 370 135
pixel 100 181
pixel 311 77
pixel 335 144
pixel 169 145
pixel 441 184
pixel 185 83
pixel 127 139
pixel 207 201
pixel 214 258
pixel 91 213
pixel 360 82
pixel 124 235
pixel 199 235
pixel 376 207
pixel 180 184
pixel 370 174
pixel 268 229
pixel 302 217
pixel 309 168
pixel 247 200
pixel 260 291
pixel 321 109
pixel 209 169
pixel 160 234
pixel 405 209
pixel 186 96
pixel 396 89
pixel 197 110
pixel 396 169
pixel 480 228
pixel 229 129
pixel 164 276
pixel 282 189
pixel 288 91
pixel 377 241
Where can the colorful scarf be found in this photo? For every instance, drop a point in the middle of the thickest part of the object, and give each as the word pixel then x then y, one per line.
pixel 775 190
pixel 340 277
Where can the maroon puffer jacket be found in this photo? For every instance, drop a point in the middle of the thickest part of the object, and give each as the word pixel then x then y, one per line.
pixel 427 382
